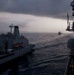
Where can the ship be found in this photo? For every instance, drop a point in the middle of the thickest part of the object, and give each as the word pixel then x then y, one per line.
pixel 13 46
pixel 59 33
pixel 70 45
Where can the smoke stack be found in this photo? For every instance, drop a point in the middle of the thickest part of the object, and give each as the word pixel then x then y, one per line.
pixel 16 31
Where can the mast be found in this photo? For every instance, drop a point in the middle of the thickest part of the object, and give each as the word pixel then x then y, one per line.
pixel 67 18
pixel 11 26
pixel 68 23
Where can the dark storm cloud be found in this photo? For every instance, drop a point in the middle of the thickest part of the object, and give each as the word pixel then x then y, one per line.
pixel 53 8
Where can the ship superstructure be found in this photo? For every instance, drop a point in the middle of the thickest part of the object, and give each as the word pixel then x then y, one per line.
pixel 10 42
pixel 13 46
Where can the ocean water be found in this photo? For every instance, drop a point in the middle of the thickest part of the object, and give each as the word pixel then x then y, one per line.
pixel 50 56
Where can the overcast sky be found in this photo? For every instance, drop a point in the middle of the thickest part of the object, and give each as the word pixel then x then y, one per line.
pixel 38 12
pixel 37 7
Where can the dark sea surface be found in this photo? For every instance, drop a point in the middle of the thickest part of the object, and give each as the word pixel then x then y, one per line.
pixel 50 56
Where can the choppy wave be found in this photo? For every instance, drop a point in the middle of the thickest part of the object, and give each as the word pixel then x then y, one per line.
pixel 50 57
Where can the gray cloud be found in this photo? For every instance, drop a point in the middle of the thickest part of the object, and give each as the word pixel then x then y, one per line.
pixel 53 8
